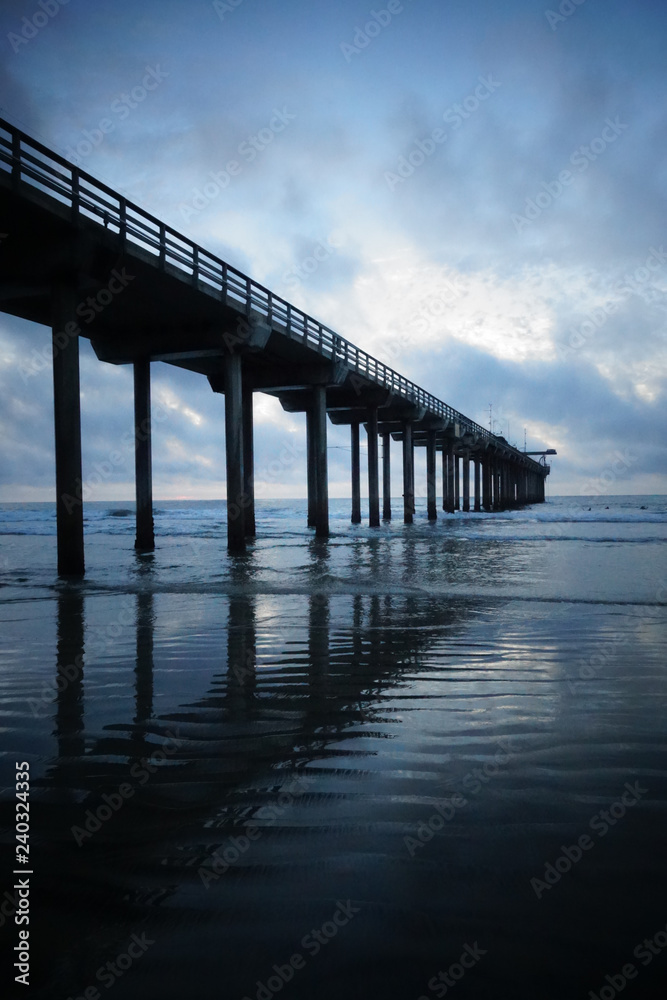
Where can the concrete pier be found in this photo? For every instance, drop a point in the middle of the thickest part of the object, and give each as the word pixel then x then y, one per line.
pixel 478 495
pixel 167 299
pixel 466 482
pixel 457 483
pixel 234 453
pixel 408 474
pixel 451 480
pixel 431 504
pixel 319 435
pixel 386 476
pixel 248 497
pixel 355 473
pixel 67 416
pixel 373 469
pixel 143 474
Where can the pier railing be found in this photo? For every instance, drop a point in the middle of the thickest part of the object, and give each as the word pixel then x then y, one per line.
pixel 32 164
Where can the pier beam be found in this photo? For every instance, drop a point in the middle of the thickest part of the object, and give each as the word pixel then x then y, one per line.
pixel 431 503
pixel 234 453
pixel 319 435
pixel 248 498
pixel 373 469
pixel 356 474
pixel 143 472
pixel 408 473
pixel 478 495
pixel 386 477
pixel 466 482
pixel 67 420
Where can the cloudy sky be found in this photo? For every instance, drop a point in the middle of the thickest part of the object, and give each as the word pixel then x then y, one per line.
pixel 485 184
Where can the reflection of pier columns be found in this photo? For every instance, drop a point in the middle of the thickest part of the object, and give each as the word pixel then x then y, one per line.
pixel 144 667
pixel 234 450
pixel 408 473
pixel 478 495
pixel 319 434
pixel 430 476
pixel 67 416
pixel 69 719
pixel 466 482
pixel 145 535
pixel 241 653
pixel 248 500
pixel 373 469
pixel 386 476
pixel 356 474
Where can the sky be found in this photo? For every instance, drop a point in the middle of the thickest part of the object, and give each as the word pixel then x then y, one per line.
pixel 473 191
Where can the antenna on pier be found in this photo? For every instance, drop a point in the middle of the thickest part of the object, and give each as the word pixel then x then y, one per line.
pixel 524 439
pixel 491 417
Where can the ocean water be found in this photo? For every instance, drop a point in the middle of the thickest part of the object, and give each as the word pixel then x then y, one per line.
pixel 409 762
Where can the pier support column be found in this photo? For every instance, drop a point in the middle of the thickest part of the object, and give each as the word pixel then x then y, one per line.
pixel 319 435
pixel 408 474
pixel 234 449
pixel 386 477
pixel 431 503
pixel 450 479
pixel 248 498
pixel 478 497
pixel 143 473
pixel 457 482
pixel 373 469
pixel 311 465
pixel 466 482
pixel 497 502
pixel 486 483
pixel 356 474
pixel 67 419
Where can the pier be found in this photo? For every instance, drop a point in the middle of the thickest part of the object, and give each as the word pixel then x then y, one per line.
pixel 84 261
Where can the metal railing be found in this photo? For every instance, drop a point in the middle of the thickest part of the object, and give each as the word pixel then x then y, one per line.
pixel 30 163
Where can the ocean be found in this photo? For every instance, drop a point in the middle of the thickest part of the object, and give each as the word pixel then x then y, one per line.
pixel 409 762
